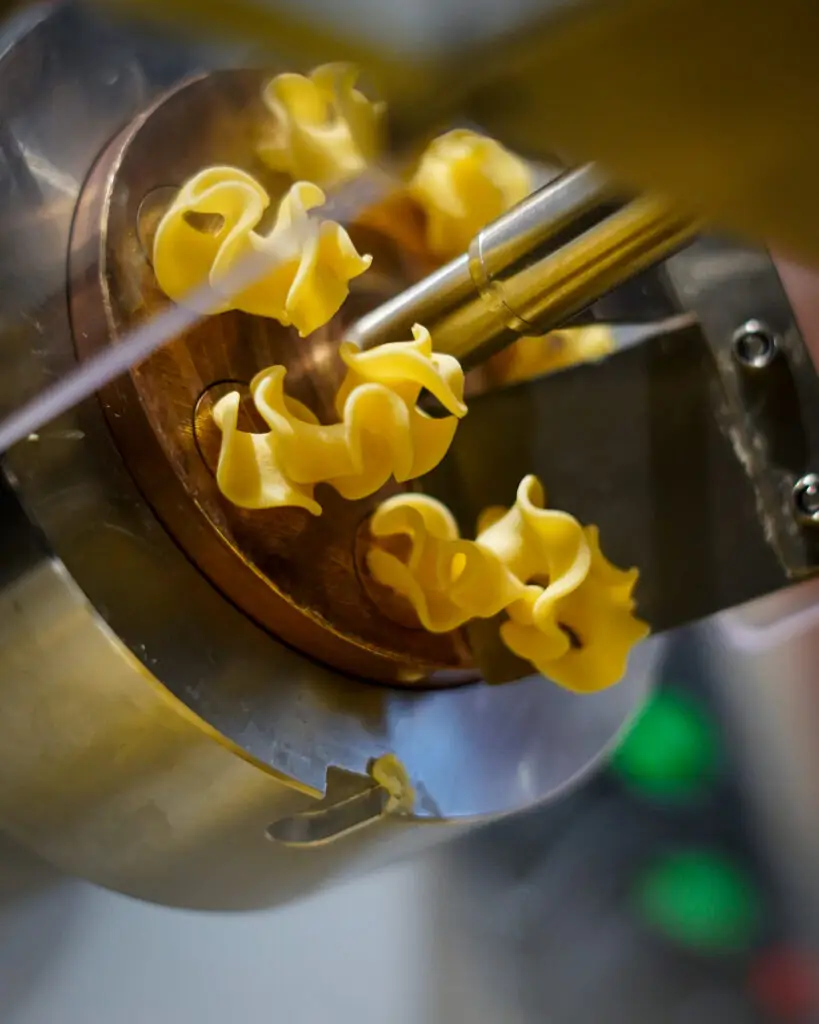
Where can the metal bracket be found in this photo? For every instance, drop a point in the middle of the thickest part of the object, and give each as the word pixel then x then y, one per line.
pixel 770 385
pixel 684 455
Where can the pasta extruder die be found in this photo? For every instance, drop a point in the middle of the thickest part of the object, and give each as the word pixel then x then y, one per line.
pixel 194 699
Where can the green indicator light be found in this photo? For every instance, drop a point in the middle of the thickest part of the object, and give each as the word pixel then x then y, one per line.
pixel 702 901
pixel 671 750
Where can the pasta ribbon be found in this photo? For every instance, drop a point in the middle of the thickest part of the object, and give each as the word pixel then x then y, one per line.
pixel 579 629
pixel 299 273
pixel 326 131
pixel 570 611
pixel 464 181
pixel 381 432
pixel 446 579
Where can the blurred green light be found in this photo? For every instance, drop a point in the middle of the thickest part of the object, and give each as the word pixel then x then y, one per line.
pixel 671 750
pixel 701 900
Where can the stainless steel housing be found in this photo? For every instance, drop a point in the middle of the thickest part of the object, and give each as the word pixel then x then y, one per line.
pixel 150 733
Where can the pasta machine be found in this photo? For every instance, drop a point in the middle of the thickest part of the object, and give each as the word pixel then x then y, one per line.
pixel 193 697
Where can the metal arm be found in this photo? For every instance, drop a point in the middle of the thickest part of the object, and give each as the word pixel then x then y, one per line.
pixel 533 269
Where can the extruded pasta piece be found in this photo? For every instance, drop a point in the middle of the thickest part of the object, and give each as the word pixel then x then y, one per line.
pixel 248 472
pixel 297 274
pixel 598 621
pixel 464 181
pixel 326 131
pixel 579 629
pixel 381 432
pixel 447 580
pixel 570 611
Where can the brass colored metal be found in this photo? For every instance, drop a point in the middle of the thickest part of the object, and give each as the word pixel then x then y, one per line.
pixel 292 572
pixel 534 268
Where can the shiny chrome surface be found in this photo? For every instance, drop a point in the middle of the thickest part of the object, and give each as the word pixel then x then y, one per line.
pixel 151 733
pixel 755 345
pixel 806 499
pixel 533 269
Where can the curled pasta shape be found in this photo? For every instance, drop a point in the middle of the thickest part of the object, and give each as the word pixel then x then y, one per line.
pixel 464 181
pixel 299 272
pixel 326 131
pixel 570 611
pixel 447 580
pixel 381 432
pixel 580 627
pixel 598 623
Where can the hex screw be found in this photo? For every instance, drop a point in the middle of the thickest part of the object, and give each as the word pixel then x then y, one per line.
pixel 805 498
pixel 755 345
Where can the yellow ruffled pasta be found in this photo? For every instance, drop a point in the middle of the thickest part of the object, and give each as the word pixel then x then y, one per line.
pixel 326 131
pixel 381 434
pixel 464 181
pixel 446 579
pixel 570 612
pixel 579 629
pixel 300 271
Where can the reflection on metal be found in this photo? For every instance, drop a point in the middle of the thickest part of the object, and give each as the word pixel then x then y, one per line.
pixel 150 730
pixel 351 802
pixel 755 345
pixel 533 269
pixel 264 561
pixel 771 416
pixel 806 499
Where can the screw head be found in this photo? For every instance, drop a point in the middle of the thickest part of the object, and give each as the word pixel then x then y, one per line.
pixel 755 345
pixel 806 499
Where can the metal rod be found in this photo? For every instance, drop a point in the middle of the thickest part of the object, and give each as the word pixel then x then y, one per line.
pixel 533 269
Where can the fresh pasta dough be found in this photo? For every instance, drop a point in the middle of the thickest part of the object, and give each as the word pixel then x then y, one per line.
pixel 298 273
pixel 381 432
pixel 446 579
pixel 570 611
pixel 325 130
pixel 464 181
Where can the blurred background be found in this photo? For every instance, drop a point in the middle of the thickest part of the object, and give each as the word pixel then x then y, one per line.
pixel 677 885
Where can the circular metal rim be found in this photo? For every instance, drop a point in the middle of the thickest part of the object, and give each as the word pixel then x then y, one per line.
pixel 755 329
pixel 808 482
pixel 510 747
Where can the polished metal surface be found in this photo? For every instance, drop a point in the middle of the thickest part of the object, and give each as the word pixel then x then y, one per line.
pixel 755 345
pixel 806 499
pixel 151 733
pixel 771 416
pixel 529 272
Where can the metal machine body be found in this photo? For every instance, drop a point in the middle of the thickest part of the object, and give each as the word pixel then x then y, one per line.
pixel 162 739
